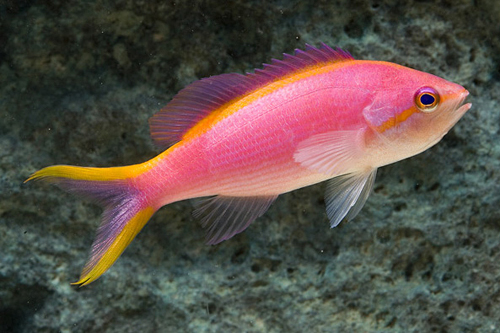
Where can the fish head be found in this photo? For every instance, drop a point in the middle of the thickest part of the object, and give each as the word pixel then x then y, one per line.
pixel 411 111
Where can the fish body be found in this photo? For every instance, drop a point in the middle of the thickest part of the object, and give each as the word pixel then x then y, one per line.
pixel 239 141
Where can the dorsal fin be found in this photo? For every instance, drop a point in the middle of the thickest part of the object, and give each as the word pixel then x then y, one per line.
pixel 201 98
pixel 194 103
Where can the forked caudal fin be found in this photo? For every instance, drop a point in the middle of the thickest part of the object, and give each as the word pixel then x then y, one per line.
pixel 125 209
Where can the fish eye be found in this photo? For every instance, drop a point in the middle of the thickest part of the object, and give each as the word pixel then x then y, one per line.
pixel 426 99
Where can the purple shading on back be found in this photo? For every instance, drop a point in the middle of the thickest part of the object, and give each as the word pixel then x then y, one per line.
pixel 299 61
pixel 199 99
pixel 194 103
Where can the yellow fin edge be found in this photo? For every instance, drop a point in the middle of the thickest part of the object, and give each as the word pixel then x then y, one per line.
pixel 92 174
pixel 131 229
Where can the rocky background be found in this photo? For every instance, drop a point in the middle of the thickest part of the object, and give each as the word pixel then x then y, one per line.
pixel 78 82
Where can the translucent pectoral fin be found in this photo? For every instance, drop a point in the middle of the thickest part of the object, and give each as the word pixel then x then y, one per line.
pixel 224 216
pixel 346 195
pixel 331 153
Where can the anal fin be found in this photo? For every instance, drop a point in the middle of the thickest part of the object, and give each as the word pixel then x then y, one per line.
pixel 225 216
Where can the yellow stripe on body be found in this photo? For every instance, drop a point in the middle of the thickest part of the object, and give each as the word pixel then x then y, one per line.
pixel 131 229
pixel 401 117
pixel 229 108
pixel 396 120
pixel 237 104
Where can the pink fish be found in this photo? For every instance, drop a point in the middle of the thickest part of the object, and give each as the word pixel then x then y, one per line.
pixel 242 140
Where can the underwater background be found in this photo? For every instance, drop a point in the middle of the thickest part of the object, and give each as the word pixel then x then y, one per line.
pixel 78 82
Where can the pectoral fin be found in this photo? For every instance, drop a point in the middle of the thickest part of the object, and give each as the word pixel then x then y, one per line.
pixel 331 153
pixel 346 195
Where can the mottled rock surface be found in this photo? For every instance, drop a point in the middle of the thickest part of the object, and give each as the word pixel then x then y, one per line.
pixel 78 81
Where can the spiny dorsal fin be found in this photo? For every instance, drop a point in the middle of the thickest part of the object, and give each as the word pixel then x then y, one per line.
pixel 201 98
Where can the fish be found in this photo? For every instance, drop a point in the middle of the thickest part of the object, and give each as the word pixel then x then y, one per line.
pixel 238 141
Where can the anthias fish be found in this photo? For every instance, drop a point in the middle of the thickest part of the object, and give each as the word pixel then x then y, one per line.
pixel 239 141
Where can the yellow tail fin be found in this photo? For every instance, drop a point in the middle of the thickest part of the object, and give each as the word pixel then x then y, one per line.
pixel 98 264
pixel 125 209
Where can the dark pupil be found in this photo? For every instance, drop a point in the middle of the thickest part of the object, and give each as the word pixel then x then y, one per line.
pixel 427 99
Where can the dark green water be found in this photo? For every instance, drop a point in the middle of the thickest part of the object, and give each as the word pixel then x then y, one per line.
pixel 78 82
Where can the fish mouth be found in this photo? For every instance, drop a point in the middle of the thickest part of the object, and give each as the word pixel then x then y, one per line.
pixel 451 115
pixel 458 109
pixel 465 107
